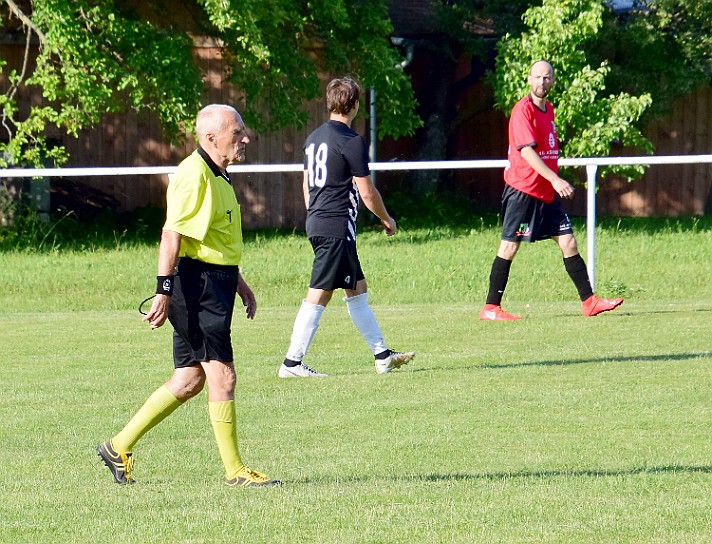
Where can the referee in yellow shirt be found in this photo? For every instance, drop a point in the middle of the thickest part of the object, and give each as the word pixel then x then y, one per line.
pixel 198 278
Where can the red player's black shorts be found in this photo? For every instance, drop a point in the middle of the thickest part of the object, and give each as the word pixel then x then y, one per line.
pixel 529 219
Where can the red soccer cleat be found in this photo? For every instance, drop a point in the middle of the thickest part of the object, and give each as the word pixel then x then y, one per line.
pixel 492 312
pixel 594 305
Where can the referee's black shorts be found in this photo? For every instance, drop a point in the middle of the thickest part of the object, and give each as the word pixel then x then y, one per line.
pixel 201 312
pixel 336 264
pixel 529 219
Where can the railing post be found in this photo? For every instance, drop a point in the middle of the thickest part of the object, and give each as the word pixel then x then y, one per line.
pixel 591 222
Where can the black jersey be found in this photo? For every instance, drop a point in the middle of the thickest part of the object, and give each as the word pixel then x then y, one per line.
pixel 333 155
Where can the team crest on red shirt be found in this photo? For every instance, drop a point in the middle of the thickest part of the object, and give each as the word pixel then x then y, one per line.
pixel 552 138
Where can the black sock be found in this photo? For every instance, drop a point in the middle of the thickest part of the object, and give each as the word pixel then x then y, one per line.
pixel 290 363
pixel 383 355
pixel 576 269
pixel 499 276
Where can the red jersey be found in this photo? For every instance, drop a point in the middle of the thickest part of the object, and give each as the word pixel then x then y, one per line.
pixel 531 127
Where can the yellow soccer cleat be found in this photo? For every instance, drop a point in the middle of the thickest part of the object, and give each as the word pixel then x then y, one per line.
pixel 247 477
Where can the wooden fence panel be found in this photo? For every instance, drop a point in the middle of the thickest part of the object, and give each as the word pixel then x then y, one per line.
pixel 669 190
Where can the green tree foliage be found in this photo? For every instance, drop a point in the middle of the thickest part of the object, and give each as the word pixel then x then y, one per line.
pixel 277 47
pixel 456 29
pixel 663 47
pixel 588 118
pixel 93 60
pixel 102 56
pixel 616 71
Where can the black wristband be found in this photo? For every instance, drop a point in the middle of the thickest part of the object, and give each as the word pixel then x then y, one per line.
pixel 164 285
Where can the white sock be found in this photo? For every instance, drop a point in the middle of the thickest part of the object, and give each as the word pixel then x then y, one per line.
pixel 305 325
pixel 362 316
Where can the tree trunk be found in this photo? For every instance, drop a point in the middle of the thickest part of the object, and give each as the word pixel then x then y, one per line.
pixel 436 108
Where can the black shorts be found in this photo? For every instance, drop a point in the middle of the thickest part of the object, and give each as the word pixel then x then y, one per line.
pixel 528 219
pixel 336 264
pixel 201 312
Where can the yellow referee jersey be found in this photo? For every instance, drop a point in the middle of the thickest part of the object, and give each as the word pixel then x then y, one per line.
pixel 203 208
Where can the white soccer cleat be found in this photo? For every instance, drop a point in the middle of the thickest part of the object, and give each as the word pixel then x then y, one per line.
pixel 299 371
pixel 394 360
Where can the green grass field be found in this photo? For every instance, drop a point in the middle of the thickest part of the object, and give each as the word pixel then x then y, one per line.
pixel 553 429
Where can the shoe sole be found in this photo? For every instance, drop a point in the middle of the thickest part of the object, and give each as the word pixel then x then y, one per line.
pixel 495 317
pixel 268 483
pixel 290 375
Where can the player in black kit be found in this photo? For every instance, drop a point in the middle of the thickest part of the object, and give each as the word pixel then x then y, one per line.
pixel 336 177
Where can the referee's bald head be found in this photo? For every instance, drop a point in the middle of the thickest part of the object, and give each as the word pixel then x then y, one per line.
pixel 213 119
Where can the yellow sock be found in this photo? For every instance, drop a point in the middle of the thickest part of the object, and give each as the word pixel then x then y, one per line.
pixel 157 408
pixel 222 416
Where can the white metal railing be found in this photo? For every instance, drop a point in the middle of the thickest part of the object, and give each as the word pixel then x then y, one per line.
pixel 591 164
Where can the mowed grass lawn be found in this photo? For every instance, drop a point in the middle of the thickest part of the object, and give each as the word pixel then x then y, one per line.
pixel 553 429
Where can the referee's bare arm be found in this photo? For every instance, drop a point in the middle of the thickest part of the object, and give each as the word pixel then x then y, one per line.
pixel 167 259
pixel 372 199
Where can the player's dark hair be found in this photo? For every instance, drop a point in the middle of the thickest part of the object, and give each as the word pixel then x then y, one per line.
pixel 341 95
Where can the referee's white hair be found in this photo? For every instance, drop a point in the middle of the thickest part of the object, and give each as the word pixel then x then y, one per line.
pixel 211 119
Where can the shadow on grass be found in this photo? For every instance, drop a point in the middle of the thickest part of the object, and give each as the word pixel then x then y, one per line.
pixel 591 360
pixel 586 473
pixel 522 474
pixel 673 311
pixel 664 357
pixel 654 225
pixel 621 312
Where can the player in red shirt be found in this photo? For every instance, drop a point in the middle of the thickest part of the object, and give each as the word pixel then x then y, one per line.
pixel 531 202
